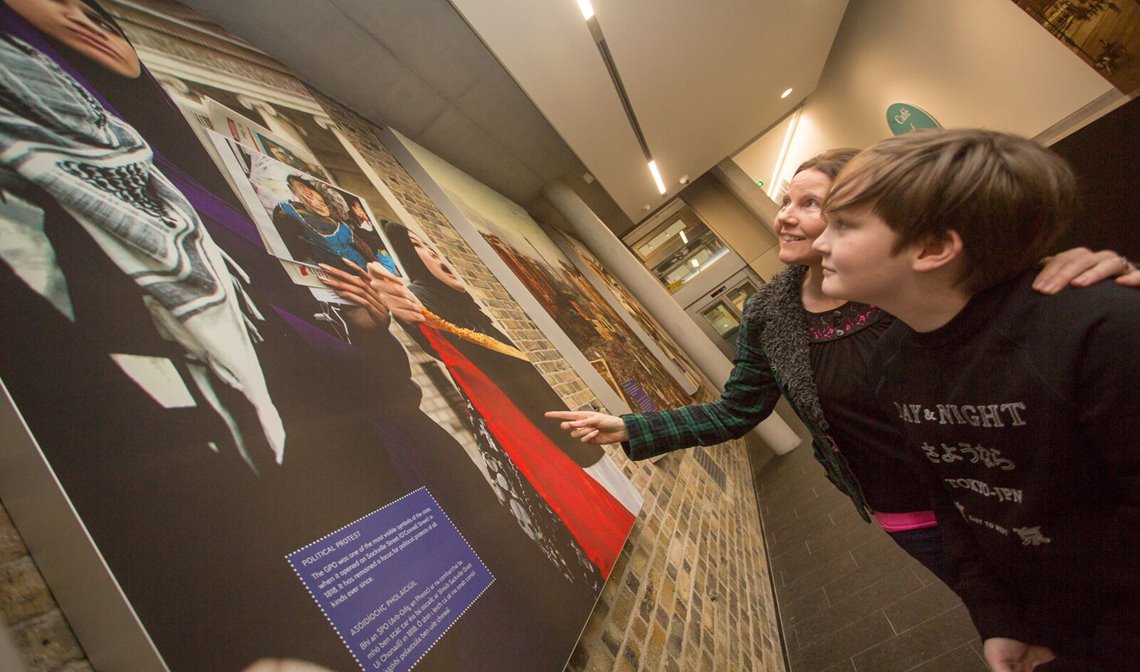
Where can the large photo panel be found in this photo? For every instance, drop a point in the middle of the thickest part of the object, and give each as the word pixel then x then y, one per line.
pixel 567 297
pixel 242 431
pixel 655 338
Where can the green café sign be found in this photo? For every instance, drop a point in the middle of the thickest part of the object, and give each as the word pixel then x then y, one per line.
pixel 904 118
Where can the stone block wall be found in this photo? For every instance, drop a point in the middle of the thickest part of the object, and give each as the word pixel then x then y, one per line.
pixel 691 591
pixel 39 629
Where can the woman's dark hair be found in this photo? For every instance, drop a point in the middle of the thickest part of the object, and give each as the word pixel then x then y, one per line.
pixel 829 163
pixel 406 253
pixel 108 22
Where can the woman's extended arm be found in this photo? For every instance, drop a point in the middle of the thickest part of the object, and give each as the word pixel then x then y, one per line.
pixel 749 397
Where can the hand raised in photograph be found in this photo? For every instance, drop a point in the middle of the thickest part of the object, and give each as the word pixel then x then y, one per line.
pixel 354 286
pixel 395 295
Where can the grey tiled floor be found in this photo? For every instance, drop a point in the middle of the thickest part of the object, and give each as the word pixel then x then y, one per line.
pixel 850 600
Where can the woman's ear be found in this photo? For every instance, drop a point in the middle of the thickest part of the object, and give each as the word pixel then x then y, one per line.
pixel 938 251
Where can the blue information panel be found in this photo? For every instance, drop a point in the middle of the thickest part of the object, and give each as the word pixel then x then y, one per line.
pixel 393 582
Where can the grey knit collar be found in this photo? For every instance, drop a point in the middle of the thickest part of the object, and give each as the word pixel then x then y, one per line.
pixel 779 310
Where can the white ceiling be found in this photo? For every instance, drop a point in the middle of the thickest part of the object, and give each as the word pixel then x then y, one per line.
pixel 704 78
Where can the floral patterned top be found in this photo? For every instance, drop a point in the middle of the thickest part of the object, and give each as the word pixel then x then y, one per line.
pixel 842 321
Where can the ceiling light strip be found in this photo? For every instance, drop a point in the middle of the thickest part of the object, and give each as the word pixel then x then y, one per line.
pixel 656 176
pixel 611 67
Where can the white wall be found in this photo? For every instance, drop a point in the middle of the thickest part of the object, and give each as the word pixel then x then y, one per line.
pixel 966 62
pixel 759 157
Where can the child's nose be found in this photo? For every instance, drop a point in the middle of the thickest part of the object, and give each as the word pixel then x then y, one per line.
pixel 821 244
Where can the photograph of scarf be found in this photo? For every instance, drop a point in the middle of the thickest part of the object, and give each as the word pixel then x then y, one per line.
pixel 57 136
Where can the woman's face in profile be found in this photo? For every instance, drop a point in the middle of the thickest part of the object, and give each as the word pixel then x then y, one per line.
pixel 436 264
pixel 78 26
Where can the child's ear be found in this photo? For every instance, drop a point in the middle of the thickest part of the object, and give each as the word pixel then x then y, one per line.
pixel 938 251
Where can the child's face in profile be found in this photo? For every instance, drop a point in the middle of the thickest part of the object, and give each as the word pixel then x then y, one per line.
pixel 859 261
pixel 79 27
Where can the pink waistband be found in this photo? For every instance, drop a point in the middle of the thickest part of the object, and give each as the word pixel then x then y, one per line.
pixel 901 522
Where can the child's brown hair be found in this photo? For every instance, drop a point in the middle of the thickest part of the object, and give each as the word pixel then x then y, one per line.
pixel 1006 196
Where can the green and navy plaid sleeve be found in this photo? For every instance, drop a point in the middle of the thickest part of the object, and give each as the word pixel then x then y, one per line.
pixel 749 396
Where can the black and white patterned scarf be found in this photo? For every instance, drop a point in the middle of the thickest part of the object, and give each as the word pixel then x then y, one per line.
pixel 57 136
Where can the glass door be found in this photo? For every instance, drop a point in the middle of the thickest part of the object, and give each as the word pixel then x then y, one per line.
pixel 723 319
pixel 740 294
pixel 720 312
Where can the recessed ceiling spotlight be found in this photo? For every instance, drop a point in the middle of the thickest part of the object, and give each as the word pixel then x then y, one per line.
pixel 786 93
pixel 645 207
pixel 684 179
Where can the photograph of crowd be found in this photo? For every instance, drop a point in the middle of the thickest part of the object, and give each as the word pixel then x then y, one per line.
pixel 301 218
